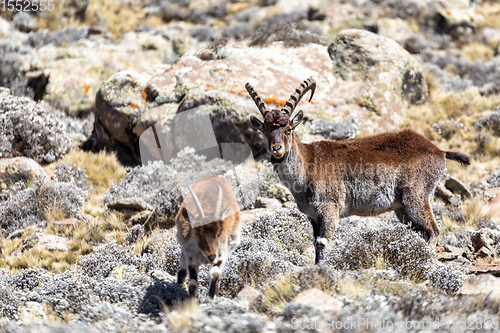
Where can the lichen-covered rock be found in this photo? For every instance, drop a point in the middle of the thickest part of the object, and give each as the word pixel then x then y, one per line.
pixel 27 128
pixel 21 70
pixel 123 106
pixel 130 102
pixel 335 131
pixel 18 173
pixel 385 75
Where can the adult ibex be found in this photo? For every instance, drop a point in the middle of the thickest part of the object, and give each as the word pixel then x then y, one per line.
pixel 334 179
pixel 208 229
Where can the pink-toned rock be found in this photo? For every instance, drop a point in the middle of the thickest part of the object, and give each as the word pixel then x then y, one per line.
pixel 318 299
pixel 493 206
pixel 376 94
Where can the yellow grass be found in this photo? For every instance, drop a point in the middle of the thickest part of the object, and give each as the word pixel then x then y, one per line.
pixel 103 168
pixel 477 52
pixel 180 317
pixel 82 238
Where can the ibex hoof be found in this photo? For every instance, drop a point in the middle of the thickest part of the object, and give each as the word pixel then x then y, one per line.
pixel 321 241
pixel 215 272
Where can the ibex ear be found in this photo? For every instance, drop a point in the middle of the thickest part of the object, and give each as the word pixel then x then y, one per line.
pixel 297 119
pixel 256 123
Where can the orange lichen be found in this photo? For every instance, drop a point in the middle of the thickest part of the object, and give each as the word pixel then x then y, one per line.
pixel 86 89
pixel 274 100
pixel 133 106
pixel 144 94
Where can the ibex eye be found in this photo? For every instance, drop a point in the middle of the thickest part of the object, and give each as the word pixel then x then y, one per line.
pixel 288 131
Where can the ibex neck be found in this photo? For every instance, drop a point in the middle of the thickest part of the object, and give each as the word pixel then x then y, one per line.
pixel 291 168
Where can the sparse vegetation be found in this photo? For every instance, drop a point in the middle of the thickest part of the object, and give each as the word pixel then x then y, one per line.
pixel 111 274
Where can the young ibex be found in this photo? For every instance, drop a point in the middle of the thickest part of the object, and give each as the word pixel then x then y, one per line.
pixel 334 179
pixel 208 229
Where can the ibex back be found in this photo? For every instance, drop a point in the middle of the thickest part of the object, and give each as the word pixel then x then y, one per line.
pixel 334 179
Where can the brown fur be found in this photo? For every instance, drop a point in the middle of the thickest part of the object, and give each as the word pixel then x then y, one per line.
pixel 208 240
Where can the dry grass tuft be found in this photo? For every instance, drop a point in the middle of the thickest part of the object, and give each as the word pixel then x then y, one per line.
pixel 491 13
pixel 278 295
pixel 180 317
pixel 475 209
pixel 477 52
pixel 103 168
pixel 82 238
pixel 352 288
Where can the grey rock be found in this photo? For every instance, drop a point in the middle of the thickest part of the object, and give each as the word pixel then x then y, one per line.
pixel 335 131
pixel 24 22
pixel 456 186
pixel 482 284
pixel 248 294
pixel 18 173
pixel 268 203
pixel 363 56
pixel 484 237
pixel 52 242
pixel 135 203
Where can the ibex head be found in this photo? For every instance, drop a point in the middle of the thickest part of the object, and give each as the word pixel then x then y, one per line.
pixel 208 224
pixel 278 125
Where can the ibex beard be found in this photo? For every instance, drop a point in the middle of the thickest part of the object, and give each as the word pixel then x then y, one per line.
pixel 208 230
pixel 368 176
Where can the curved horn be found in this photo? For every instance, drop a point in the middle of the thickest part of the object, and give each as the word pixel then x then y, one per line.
pixel 197 202
pixel 263 108
pixel 294 99
pixel 218 204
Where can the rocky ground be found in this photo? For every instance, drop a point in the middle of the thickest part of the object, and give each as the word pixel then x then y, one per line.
pixel 87 240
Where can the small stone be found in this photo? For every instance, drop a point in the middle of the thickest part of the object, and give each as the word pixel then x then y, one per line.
pixel 164 276
pixel 484 252
pixel 52 242
pixel 482 238
pixel 482 284
pixel 70 221
pixel 249 294
pixel 134 203
pixel 139 217
pixel 318 299
pixel 33 311
pixel 268 203
pixel 484 268
pixel 456 186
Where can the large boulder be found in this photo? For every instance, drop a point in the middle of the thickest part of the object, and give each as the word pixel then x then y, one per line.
pixel 387 80
pixel 382 75
pixel 75 73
